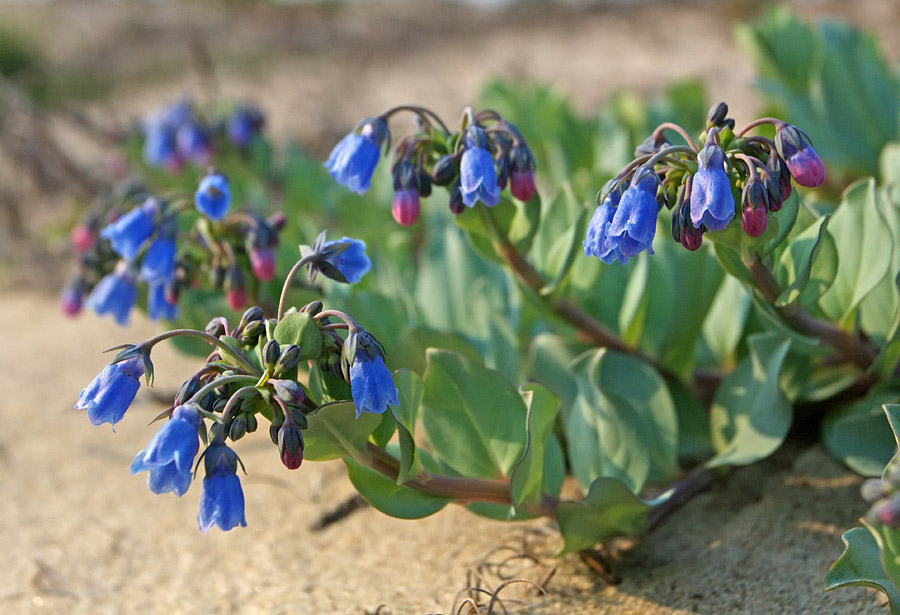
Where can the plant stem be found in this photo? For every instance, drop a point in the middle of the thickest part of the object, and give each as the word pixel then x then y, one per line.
pixel 459 489
pixel 237 354
pixel 423 111
pixel 290 280
pixel 852 348
pixel 681 131
pixel 696 482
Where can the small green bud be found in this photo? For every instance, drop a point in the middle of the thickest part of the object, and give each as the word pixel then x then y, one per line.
pixel 252 423
pixel 271 354
pixel 238 427
pixel 444 170
pixel 290 357
pixel 289 392
pixel 717 115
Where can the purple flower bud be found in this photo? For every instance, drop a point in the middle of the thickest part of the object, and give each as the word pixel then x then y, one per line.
pixel 456 202
pixel 235 291
pixel 129 232
pixel 712 204
pixel 521 172
pixel 755 208
pixel 169 457
pixel 213 196
pixel 262 261
pixel 802 160
pixel 111 392
pixel 290 444
pixel 83 238
pixel 405 207
pixel 683 230
pixel 352 161
pixel 889 512
pixel 71 298
pixel 114 294
pixel 222 499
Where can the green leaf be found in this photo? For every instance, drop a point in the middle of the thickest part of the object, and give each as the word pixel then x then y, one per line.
pixel 731 262
pixel 646 314
pixel 410 389
pixel 391 498
pixel 623 422
pixel 796 261
pixel 750 416
pixel 334 431
pixel 300 329
pixel 858 433
pixel 473 418
pixel 879 313
pixel 527 476
pixel 860 564
pixel 609 510
pixel 724 325
pixel 864 247
pixel 549 362
pixel 411 347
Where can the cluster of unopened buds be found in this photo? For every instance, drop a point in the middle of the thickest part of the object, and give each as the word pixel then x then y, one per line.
pixel 884 496
pixel 147 243
pixel 248 377
pixel 699 185
pixel 178 134
pixel 475 163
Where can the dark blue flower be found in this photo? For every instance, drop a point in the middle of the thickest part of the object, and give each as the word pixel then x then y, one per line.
pixel 371 383
pixel 244 124
pixel 110 394
pixel 345 260
pixel 213 197
pixel 160 147
pixel 128 233
pixel 352 161
pixel 712 204
pixel 158 264
pixel 633 226
pixel 114 294
pixel 596 239
pixel 158 304
pixel 169 457
pixel 193 143
pixel 802 161
pixel 222 499
pixel 477 176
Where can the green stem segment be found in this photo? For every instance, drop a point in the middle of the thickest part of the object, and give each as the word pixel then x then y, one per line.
pixel 852 348
pixel 289 280
pixel 243 362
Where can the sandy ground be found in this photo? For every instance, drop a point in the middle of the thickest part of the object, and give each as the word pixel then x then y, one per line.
pixel 81 536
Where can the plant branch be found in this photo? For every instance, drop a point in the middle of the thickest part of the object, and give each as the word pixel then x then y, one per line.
pixel 696 482
pixel 237 354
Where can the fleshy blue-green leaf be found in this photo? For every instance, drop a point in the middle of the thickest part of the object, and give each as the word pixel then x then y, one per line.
pixel 527 476
pixel 623 422
pixel 860 564
pixel 859 433
pixel 750 416
pixel 725 322
pixel 608 510
pixel 410 389
pixel 334 431
pixel 300 329
pixel 796 263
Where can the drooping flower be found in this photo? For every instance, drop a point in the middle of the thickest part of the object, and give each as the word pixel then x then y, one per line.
pixel 213 196
pixel 129 232
pixel 478 178
pixel 158 264
pixel 633 226
pixel 111 392
pixel 712 203
pixel 345 260
pixel 159 304
pixel 802 161
pixel 193 143
pixel 353 160
pixel 245 122
pixel 169 457
pixel 595 242
pixel 114 294
pixel 371 384
pixel 222 499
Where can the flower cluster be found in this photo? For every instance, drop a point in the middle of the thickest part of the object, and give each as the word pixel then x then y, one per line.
pixel 698 184
pixel 117 249
pixel 255 372
pixel 178 134
pixel 475 164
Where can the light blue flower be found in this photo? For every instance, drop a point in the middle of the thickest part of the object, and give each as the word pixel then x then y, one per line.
pixel 477 176
pixel 129 232
pixel 345 260
pixel 712 204
pixel 222 499
pixel 114 294
pixel 158 264
pixel 112 391
pixel 158 305
pixel 353 160
pixel 596 241
pixel 169 457
pixel 213 196
pixel 633 226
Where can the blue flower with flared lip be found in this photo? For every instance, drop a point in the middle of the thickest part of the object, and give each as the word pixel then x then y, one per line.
pixel 596 239
pixel 222 499
pixel 129 232
pixel 633 225
pixel 158 305
pixel 158 264
pixel 346 257
pixel 213 196
pixel 169 457
pixel 477 175
pixel 114 294
pixel 353 160
pixel 112 391
pixel 712 203
pixel 371 384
